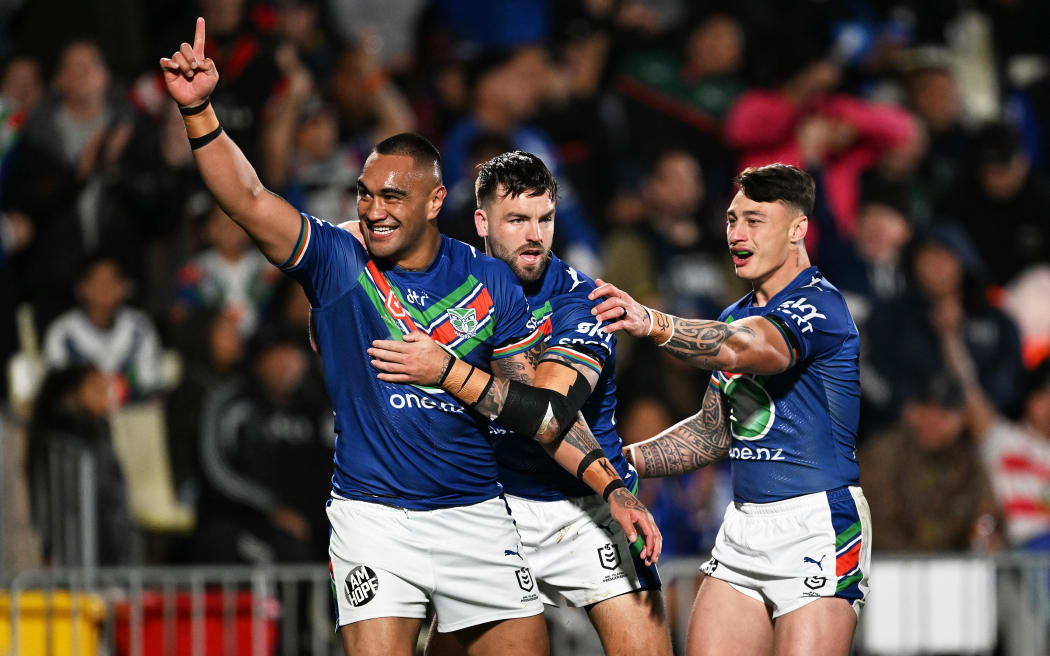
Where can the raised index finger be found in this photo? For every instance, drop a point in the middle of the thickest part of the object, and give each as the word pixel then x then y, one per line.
pixel 198 39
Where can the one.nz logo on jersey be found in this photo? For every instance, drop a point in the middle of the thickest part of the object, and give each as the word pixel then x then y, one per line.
pixel 362 585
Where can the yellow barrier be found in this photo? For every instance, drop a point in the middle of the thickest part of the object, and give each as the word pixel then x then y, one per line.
pixel 45 623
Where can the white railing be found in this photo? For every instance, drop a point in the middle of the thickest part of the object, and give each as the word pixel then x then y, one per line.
pixel 918 605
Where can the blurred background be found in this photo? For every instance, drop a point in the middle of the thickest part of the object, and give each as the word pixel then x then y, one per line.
pixel 163 414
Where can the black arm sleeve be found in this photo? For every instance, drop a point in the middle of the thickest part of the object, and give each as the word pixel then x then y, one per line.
pixel 529 411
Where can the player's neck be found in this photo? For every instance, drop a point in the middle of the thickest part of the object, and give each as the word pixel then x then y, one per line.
pixel 774 282
pixel 424 252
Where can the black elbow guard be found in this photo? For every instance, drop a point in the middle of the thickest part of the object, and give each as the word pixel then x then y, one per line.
pixel 529 411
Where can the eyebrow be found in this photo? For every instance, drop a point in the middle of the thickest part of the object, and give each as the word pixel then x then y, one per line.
pixel 392 191
pixel 746 213
pixel 519 215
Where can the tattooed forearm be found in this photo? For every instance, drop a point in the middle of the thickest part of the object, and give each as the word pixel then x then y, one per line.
pixel 691 444
pixel 701 342
pixel 492 402
pixel 579 436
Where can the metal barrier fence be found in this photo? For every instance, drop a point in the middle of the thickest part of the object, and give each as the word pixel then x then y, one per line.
pixel 919 605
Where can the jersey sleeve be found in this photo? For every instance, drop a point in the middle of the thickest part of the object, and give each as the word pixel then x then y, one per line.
pixel 326 260
pixel 577 335
pixel 516 331
pixel 812 321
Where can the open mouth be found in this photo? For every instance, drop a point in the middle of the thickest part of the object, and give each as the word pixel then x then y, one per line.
pixel 740 256
pixel 531 256
pixel 381 230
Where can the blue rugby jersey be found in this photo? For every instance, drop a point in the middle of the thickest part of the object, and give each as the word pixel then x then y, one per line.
pixel 795 432
pixel 563 312
pixel 408 446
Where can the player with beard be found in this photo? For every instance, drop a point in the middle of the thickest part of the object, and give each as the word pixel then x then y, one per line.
pixel 416 513
pixel 789 570
pixel 580 557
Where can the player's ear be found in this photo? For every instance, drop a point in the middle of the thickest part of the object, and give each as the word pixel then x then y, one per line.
pixel 481 222
pixel 799 228
pixel 436 200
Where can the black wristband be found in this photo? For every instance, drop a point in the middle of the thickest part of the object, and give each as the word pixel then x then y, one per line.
pixel 198 142
pixel 196 109
pixel 448 368
pixel 612 487
pixel 591 456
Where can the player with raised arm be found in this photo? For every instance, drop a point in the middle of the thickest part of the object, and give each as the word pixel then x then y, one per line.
pixel 416 514
pixel 788 572
pixel 580 557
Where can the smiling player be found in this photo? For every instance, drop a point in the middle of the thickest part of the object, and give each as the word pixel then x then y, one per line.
pixel 788 572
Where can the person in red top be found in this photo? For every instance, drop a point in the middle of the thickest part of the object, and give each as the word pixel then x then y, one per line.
pixel 801 122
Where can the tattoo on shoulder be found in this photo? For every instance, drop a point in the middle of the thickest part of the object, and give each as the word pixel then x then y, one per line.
pixel 694 443
pixel 701 340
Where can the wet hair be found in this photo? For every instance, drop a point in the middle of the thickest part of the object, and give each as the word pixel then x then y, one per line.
pixel 778 182
pixel 517 172
pixel 410 144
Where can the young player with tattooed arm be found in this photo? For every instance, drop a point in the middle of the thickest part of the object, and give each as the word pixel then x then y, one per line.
pixel 788 572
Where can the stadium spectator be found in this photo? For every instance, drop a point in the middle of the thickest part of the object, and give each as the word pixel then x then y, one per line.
pixel 58 178
pixel 801 123
pixel 104 332
pixel 1016 454
pixel 1003 204
pixel 213 349
pixel 945 268
pixel 507 88
pixel 69 439
pixel 928 487
pixel 230 275
pixel 932 93
pixel 265 437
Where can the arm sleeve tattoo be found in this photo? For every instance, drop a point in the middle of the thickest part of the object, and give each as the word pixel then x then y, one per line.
pixel 691 444
pixel 700 342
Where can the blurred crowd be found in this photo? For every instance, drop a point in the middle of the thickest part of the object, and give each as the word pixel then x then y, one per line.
pixel 926 126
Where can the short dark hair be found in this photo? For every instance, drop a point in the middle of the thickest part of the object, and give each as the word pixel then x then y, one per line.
pixel 410 144
pixel 783 182
pixel 518 173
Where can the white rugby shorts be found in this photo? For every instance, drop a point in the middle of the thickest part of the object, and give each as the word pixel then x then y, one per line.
pixel 579 554
pixel 467 561
pixel 789 553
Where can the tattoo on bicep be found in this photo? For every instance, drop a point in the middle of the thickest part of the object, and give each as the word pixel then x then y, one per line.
pixel 698 441
pixel 514 368
pixel 533 354
pixel 701 341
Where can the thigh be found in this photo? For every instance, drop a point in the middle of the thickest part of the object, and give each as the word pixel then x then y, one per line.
pixel 633 623
pixel 727 621
pixel 377 568
pixel 824 626
pixel 385 636
pixel 480 572
pixel 523 636
pixel 442 644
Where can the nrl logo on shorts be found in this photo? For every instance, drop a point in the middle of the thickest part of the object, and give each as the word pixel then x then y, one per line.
pixel 463 320
pixel 609 556
pixel 524 578
pixel 815 582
